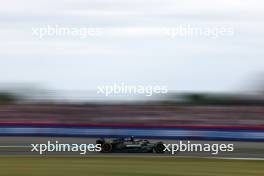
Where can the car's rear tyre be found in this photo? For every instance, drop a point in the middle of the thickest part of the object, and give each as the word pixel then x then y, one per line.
pixel 107 148
pixel 159 147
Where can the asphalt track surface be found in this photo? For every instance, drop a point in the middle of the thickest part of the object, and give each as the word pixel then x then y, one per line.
pixel 21 146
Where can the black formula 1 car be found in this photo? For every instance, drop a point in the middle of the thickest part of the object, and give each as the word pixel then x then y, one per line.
pixel 130 145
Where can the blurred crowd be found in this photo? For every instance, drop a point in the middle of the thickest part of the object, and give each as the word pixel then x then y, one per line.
pixel 147 114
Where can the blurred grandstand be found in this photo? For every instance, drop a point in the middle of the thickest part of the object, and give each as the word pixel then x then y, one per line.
pixel 174 109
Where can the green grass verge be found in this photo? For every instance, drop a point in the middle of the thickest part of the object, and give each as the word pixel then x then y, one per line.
pixel 122 166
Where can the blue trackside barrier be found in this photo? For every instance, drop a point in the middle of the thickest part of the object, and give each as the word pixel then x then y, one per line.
pixel 177 133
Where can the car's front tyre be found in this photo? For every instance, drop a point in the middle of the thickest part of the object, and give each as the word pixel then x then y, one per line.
pixel 159 147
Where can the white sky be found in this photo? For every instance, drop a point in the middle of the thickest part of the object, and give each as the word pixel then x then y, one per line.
pixel 137 57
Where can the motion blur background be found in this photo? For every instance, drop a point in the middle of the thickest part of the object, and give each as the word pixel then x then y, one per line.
pixel 197 70
pixel 213 83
